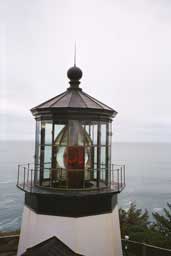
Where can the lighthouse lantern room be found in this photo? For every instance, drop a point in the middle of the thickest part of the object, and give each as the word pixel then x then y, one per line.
pixel 71 188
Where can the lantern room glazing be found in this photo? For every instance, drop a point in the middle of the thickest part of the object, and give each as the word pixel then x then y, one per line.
pixel 73 153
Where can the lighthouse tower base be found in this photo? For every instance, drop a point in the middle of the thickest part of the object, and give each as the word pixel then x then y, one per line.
pixel 90 236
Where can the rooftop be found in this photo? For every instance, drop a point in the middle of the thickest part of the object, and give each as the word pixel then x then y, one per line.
pixel 51 247
pixel 74 98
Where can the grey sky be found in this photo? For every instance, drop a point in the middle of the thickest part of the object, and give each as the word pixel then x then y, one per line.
pixel 123 48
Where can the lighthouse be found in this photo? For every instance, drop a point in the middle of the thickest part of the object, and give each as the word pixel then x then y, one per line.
pixel 72 187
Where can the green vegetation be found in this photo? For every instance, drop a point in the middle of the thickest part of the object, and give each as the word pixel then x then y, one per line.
pixel 135 224
pixel 9 233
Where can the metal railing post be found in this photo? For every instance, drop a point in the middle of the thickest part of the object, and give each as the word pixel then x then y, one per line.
pixel 31 179
pixel 51 174
pixel 121 175
pixel 112 176
pixel 124 175
pixel 28 174
pixel 18 177
pixel 118 178
pixel 24 182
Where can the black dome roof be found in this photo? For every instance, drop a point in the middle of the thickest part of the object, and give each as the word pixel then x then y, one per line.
pixel 74 73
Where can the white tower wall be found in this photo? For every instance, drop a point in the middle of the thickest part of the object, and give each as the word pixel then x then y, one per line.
pixel 97 235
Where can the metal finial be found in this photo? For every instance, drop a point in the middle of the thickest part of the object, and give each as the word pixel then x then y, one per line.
pixel 75 51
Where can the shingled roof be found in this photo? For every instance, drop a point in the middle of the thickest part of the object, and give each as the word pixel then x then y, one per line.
pixel 50 247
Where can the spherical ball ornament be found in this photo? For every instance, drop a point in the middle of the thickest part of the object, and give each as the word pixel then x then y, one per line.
pixel 74 73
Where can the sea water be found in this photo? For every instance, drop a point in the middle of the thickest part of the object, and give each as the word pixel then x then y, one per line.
pixel 148 177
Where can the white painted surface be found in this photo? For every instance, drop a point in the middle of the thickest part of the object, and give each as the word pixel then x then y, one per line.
pixel 91 236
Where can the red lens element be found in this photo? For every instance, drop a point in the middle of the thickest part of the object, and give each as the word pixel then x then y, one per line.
pixel 74 157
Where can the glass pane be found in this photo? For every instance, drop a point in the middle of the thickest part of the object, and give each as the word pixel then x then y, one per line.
pixel 95 162
pixel 103 163
pixel 74 157
pixel 47 156
pixel 95 155
pixel 89 133
pixel 103 134
pixel 87 139
pixel 103 157
pixel 38 126
pixel 46 173
pixel 109 155
pixel 95 134
pixel 60 152
pixel 42 133
pixel 47 162
pixel 62 136
pixel 110 133
pixel 37 161
pixel 87 128
pixel 37 176
pixel 76 135
pixel 57 130
pixel 88 163
pixel 48 133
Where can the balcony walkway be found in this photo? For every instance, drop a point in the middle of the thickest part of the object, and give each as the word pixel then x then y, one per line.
pixel 27 180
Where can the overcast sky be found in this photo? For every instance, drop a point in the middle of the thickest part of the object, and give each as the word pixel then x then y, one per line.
pixel 123 49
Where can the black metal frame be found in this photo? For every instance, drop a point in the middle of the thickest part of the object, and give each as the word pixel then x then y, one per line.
pixel 26 180
pixel 40 150
pixel 131 248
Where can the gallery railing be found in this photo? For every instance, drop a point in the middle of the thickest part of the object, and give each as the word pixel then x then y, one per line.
pixel 31 177
pixel 132 248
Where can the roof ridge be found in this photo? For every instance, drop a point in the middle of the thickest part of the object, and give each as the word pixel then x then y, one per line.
pixel 83 100
pixel 93 99
pixel 48 100
pixel 70 99
pixel 97 101
pixel 74 92
pixel 59 98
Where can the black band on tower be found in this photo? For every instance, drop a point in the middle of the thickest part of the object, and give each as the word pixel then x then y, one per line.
pixel 71 205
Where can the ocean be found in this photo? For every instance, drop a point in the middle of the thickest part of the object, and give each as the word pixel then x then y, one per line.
pixel 148 177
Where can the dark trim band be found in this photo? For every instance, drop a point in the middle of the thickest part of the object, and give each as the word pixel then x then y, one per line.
pixel 71 205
